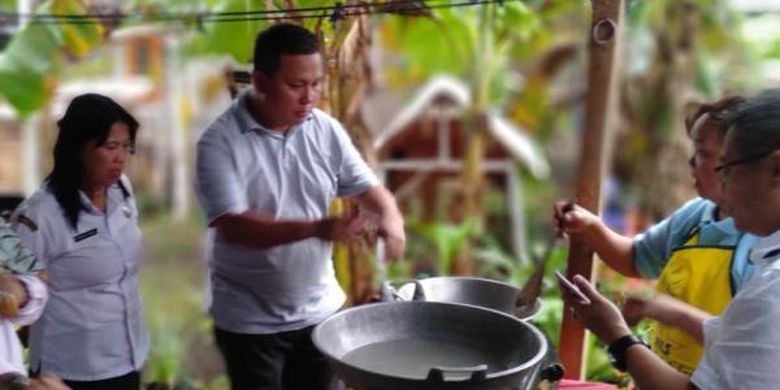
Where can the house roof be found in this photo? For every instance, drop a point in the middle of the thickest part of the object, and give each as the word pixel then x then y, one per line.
pixel 146 30
pixel 388 113
pixel 126 90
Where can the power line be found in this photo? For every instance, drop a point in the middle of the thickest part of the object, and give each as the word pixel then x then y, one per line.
pixel 335 12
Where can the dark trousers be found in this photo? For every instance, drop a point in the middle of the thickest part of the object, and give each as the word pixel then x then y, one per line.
pixel 130 381
pixel 286 360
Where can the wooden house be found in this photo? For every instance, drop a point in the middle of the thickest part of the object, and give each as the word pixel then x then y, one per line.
pixel 420 139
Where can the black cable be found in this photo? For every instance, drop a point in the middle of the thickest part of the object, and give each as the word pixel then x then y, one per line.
pixel 348 14
pixel 346 10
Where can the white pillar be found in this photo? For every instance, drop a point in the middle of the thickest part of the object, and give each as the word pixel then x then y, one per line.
pixel 180 200
pixel 31 154
pixel 516 213
pixel 24 7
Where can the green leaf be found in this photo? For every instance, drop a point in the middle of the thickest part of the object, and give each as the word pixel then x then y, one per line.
pixel 79 39
pixel 236 38
pixel 32 59
pixel 446 239
pixel 429 46
pixel 706 76
pixel 27 62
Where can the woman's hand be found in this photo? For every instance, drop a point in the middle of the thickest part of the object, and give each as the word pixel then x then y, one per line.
pixel 660 307
pixel 571 219
pixel 600 316
pixel 47 382
pixel 13 295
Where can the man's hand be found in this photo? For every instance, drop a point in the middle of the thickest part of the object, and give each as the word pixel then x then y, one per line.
pixel 340 228
pixel 392 231
pixel 600 315
pixel 47 382
pixel 12 295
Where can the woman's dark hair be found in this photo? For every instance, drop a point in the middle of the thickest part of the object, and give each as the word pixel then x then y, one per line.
pixel 282 39
pixel 717 110
pixel 89 117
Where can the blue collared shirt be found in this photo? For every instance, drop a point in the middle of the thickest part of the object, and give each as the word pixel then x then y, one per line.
pixel 294 175
pixel 653 248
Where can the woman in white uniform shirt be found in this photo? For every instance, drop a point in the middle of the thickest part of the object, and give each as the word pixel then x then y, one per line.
pixel 83 225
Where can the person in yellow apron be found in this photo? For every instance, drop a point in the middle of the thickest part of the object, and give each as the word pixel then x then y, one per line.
pixel 699 275
pixel 696 253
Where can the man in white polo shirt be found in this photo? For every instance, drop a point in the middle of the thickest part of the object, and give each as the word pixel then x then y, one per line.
pixel 267 171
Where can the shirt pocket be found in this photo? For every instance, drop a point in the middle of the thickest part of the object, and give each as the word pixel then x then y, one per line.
pixel 88 263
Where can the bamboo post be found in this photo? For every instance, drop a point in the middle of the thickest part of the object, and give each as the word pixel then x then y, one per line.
pixel 601 107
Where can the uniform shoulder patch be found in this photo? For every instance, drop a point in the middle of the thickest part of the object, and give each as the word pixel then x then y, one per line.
pixel 26 221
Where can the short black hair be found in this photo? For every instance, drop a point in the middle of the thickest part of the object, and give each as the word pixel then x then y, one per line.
pixel 281 39
pixel 754 128
pixel 89 117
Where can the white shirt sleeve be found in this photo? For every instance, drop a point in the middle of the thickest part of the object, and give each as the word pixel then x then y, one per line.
pixel 217 183
pixel 10 349
pixel 742 347
pixel 36 300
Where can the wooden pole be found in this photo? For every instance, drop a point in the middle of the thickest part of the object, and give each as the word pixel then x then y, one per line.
pixel 601 109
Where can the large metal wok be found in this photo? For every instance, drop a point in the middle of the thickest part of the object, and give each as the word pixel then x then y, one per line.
pixel 480 292
pixel 429 345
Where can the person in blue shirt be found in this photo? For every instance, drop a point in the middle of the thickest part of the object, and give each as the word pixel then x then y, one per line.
pixel 268 169
pixel 696 253
pixel 82 225
pixel 742 345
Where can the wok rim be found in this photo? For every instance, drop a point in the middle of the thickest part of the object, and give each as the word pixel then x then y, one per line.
pixel 537 303
pixel 532 362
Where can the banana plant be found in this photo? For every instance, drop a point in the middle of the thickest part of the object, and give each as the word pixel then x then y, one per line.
pixel 30 63
pixel 476 44
pixel 445 238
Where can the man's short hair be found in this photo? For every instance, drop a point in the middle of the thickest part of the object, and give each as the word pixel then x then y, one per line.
pixel 282 39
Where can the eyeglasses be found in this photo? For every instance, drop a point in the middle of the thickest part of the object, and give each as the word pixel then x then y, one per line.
pixel 724 168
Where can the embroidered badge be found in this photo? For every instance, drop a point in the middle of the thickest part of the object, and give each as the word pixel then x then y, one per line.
pixel 24 220
pixel 85 235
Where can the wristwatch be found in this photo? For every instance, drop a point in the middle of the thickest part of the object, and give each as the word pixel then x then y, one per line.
pixel 617 350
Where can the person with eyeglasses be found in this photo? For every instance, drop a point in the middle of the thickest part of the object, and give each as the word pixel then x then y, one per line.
pixel 82 225
pixel 697 256
pixel 742 345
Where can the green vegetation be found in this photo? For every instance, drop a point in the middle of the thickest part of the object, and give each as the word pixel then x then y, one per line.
pixel 172 284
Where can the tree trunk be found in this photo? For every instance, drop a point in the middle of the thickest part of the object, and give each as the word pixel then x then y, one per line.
pixel 472 189
pixel 348 77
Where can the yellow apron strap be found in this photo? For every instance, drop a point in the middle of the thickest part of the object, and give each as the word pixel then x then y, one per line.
pixel 700 276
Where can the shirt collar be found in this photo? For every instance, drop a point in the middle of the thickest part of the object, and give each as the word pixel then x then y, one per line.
pixel 725 225
pixel 248 123
pixel 114 196
pixel 245 119
pixel 766 250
